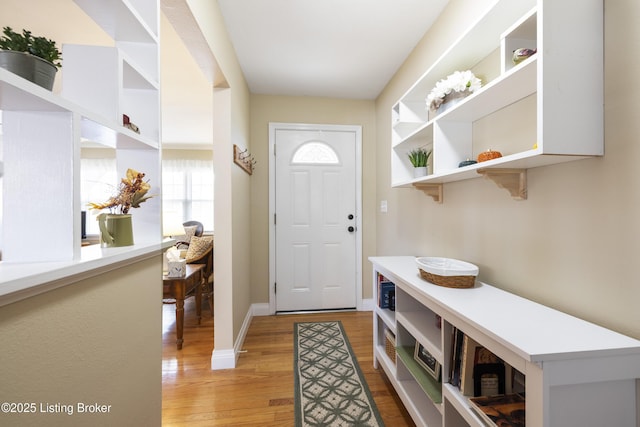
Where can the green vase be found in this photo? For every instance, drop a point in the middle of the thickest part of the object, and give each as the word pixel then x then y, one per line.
pixel 115 230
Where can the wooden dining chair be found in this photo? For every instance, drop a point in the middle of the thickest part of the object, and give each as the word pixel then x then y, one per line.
pixel 200 251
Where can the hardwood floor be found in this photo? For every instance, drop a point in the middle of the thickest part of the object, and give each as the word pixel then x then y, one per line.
pixel 259 392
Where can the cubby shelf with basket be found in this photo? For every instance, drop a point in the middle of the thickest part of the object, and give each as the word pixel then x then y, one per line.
pixel 410 323
pixel 568 363
pixel 43 133
pixel 547 109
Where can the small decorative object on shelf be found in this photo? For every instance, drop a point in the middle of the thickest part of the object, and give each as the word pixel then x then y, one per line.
pixel 419 158
pixel 456 86
pixel 36 59
pixel 488 155
pixel 447 272
pixel 126 122
pixel 467 162
pixel 115 227
pixel 521 54
pixel 244 159
pixel 427 361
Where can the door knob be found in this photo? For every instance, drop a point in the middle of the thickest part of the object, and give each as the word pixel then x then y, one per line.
pixel 351 229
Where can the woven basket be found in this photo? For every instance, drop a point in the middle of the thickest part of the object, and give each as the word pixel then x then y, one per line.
pixel 449 281
pixel 447 272
pixel 390 345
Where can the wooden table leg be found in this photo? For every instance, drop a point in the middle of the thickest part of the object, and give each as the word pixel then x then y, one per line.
pixel 179 321
pixel 198 296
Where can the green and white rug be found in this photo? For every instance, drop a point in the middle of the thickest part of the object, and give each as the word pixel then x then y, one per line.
pixel 330 389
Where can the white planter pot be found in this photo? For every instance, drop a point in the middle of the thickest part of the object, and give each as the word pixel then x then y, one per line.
pixel 418 172
pixel 30 67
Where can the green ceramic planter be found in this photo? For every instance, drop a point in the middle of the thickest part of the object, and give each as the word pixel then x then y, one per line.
pixel 115 230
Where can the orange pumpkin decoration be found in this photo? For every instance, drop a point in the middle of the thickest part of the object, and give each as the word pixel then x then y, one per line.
pixel 488 155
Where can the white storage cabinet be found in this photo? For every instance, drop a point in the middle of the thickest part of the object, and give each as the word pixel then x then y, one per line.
pixel 577 374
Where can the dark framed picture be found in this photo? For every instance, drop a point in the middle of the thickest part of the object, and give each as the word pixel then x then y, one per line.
pixel 427 361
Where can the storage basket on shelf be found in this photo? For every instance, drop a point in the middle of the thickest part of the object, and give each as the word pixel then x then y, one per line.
pixel 390 345
pixel 447 272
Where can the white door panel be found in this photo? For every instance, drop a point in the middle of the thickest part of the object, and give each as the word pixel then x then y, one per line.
pixel 315 206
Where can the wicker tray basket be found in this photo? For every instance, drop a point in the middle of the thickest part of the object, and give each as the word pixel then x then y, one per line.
pixel 447 272
pixel 390 345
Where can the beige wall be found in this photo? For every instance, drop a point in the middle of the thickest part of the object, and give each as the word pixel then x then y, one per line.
pixel 173 154
pixel 232 186
pixel 311 110
pixel 95 341
pixel 573 244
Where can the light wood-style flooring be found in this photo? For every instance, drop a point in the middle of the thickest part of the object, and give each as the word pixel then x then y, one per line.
pixel 259 391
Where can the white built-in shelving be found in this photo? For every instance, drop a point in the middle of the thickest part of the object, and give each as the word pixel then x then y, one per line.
pixel 43 134
pixel 558 93
pixel 577 373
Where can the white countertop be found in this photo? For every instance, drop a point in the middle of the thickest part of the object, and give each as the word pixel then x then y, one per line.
pixel 531 330
pixel 23 280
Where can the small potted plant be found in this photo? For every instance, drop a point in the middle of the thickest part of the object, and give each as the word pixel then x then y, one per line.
pixel 419 158
pixel 116 227
pixel 36 59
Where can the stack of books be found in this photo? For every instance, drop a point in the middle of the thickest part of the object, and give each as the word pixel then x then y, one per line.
pixel 386 293
pixel 494 388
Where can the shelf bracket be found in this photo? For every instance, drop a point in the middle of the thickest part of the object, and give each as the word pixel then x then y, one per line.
pixel 512 180
pixel 433 190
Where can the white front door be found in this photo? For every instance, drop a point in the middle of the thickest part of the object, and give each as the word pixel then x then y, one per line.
pixel 315 219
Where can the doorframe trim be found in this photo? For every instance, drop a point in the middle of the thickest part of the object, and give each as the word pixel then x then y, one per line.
pixel 273 127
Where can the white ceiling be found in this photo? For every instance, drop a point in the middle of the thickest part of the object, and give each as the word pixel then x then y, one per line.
pixel 333 48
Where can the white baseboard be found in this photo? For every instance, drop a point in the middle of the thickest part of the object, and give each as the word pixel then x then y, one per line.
pixel 367 304
pixel 261 309
pixel 223 359
pixel 227 358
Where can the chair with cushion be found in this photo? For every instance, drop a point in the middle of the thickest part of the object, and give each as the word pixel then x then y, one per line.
pixel 191 228
pixel 198 230
pixel 200 251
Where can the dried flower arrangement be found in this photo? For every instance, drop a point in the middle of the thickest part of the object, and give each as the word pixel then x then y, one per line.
pixel 132 191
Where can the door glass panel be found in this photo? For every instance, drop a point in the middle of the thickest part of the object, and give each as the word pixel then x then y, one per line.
pixel 315 153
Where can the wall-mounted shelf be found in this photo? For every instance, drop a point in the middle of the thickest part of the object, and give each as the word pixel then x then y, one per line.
pixel 99 84
pixel 535 113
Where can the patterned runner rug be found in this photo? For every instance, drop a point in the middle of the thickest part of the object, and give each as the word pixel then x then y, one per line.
pixel 330 389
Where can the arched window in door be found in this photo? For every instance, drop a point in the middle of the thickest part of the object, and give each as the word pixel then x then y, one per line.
pixel 315 152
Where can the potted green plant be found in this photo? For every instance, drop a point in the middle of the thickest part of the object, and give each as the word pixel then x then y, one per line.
pixel 36 59
pixel 419 158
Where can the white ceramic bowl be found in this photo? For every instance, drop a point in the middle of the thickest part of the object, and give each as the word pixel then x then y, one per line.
pixel 446 266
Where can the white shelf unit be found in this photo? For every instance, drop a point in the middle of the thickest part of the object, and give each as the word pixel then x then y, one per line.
pixel 43 133
pixel 577 373
pixel 558 94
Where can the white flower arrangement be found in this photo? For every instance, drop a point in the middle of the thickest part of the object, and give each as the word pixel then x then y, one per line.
pixel 459 81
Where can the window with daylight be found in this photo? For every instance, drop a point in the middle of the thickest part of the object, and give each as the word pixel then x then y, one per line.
pixel 187 190
pixel 98 178
pixel 315 153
